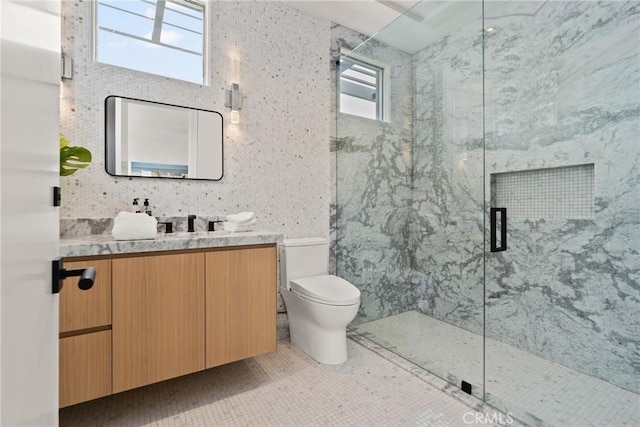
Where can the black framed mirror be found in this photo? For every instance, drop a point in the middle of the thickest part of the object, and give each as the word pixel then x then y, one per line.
pixel 156 140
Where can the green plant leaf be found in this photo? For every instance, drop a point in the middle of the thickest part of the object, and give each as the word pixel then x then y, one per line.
pixel 63 141
pixel 73 158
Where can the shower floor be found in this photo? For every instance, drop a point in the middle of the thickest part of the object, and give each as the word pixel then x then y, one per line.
pixel 533 389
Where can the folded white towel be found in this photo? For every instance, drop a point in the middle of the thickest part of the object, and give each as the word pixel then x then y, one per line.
pixel 233 227
pixel 134 226
pixel 241 218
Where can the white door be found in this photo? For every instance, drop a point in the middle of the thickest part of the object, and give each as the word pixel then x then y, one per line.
pixel 29 157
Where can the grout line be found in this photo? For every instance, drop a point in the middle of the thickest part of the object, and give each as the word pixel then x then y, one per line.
pixel 427 377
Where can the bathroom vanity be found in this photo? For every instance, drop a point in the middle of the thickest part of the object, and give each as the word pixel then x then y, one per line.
pixel 163 308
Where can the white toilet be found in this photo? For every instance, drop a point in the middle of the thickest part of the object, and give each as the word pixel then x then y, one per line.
pixel 319 305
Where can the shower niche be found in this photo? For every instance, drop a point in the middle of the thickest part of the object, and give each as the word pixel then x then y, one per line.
pixel 545 330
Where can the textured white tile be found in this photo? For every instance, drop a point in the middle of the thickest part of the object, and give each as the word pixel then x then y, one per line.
pixel 276 161
pixel 283 388
pixel 530 387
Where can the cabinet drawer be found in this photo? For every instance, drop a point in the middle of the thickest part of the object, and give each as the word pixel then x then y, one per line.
pixel 86 309
pixel 85 367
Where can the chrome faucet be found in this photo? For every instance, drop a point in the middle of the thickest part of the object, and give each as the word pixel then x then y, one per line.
pixel 190 220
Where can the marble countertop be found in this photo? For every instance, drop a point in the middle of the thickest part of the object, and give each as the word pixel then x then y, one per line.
pixel 92 245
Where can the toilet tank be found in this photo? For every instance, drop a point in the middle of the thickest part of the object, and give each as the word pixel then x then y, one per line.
pixel 303 258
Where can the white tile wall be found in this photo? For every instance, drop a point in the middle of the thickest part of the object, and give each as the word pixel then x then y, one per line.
pixel 276 161
pixel 552 193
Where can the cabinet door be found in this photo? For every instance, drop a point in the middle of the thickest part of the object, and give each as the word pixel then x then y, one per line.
pixel 158 318
pixel 86 309
pixel 85 367
pixel 241 304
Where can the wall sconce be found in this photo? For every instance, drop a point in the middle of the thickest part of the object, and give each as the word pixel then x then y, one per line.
pixel 66 67
pixel 66 71
pixel 234 97
pixel 234 101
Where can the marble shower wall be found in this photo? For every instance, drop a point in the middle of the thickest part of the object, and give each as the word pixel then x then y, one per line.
pixel 276 161
pixel 372 203
pixel 562 82
pixel 447 239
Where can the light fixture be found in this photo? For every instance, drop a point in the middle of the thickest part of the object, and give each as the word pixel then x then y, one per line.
pixel 66 71
pixel 66 67
pixel 234 97
pixel 490 30
pixel 234 101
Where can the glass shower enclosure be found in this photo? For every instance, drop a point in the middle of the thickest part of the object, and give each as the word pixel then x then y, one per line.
pixel 490 213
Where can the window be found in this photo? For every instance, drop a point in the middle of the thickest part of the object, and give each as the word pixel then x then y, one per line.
pixel 361 88
pixel 164 37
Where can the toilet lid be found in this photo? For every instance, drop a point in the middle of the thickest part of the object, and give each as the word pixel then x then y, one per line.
pixel 327 288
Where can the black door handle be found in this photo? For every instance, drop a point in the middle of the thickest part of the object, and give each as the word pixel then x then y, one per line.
pixel 59 273
pixel 503 229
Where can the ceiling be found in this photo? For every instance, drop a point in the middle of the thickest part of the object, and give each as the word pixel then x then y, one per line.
pixel 364 16
pixel 418 23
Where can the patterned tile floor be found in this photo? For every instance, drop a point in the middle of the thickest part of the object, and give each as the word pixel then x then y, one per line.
pixel 287 387
pixel 545 394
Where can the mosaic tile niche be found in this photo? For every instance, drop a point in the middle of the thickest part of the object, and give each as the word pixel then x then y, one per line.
pixel 276 161
pixel 567 288
pixel 560 89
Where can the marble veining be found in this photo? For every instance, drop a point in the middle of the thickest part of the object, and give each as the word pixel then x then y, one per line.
pixel 535 390
pixel 555 95
pixel 569 289
pixel 372 199
pixel 76 227
pixel 447 237
pixel 92 236
pixel 105 245
pixel 559 83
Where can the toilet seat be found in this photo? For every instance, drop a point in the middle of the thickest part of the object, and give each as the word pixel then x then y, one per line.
pixel 326 289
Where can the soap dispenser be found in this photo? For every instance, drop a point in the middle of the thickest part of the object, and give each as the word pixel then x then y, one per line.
pixel 136 207
pixel 147 209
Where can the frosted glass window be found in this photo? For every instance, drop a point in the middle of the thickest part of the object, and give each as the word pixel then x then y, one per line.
pixel 554 193
pixel 164 37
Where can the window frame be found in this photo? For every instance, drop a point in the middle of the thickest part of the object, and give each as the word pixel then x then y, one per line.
pixel 156 34
pixel 382 83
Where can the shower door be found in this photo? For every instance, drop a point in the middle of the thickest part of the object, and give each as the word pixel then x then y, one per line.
pixel 447 222
pixel 490 211
pixel 562 299
pixel 409 187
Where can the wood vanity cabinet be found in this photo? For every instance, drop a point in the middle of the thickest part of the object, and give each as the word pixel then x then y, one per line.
pixel 158 318
pixel 85 367
pixel 86 309
pixel 154 316
pixel 241 300
pixel 85 336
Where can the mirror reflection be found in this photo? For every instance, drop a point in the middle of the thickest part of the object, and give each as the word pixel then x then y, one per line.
pixel 150 139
